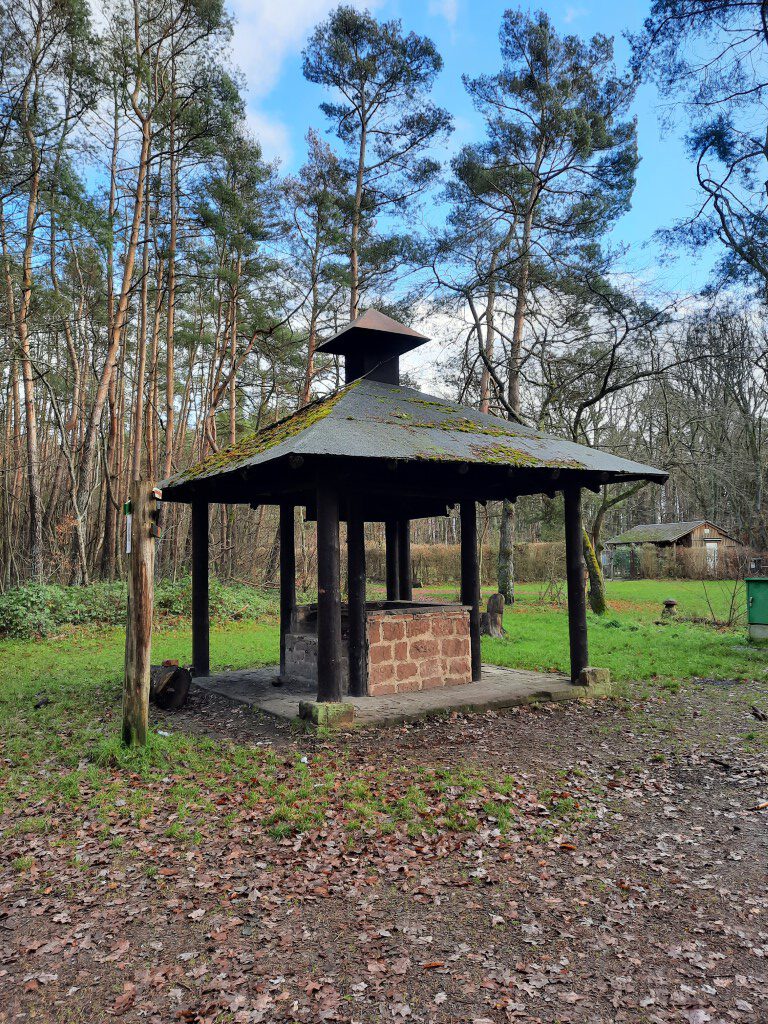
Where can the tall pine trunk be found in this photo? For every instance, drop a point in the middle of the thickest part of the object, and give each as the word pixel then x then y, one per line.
pixel 506 567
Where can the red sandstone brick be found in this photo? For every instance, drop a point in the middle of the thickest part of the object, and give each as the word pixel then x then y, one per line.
pixel 408 686
pixel 430 667
pixel 406 670
pixel 460 667
pixel 453 647
pixel 379 653
pixel 374 631
pixel 420 625
pixel 423 647
pixel 392 630
pixel 381 689
pixel 380 674
pixel 432 683
pixel 401 650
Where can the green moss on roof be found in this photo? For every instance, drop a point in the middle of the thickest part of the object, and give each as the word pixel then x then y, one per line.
pixel 507 454
pixel 268 437
pixel 657 533
pixel 381 421
pixel 499 454
pixel 462 425
pixel 429 403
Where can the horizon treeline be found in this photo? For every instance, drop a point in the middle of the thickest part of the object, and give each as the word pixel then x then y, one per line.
pixel 164 286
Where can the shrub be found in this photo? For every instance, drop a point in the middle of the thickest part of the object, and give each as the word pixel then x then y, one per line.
pixel 434 564
pixel 40 609
pixel 24 612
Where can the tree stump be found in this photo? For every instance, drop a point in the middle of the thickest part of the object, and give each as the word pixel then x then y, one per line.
pixel 491 621
pixel 169 685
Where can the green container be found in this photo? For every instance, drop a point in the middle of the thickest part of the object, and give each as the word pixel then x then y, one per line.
pixel 757 606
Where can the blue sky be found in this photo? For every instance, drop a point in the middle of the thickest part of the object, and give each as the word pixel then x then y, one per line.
pixel 271 33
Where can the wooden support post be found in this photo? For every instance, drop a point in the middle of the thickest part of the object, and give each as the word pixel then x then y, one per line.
pixel 141 596
pixel 201 656
pixel 391 537
pixel 470 580
pixel 577 598
pixel 405 568
pixel 358 656
pixel 328 595
pixel 287 576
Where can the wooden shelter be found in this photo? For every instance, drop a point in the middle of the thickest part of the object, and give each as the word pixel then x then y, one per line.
pixel 377 451
pixel 699 534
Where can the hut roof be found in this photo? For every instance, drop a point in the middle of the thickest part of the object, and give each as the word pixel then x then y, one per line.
pixel 660 533
pixel 374 420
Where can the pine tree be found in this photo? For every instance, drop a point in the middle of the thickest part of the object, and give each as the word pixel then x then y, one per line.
pixel 387 125
pixel 557 168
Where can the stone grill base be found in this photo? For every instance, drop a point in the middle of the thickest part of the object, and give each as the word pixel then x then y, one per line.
pixel 410 647
pixel 421 649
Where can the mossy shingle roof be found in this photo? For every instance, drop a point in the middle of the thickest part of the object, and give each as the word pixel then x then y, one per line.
pixel 372 420
pixel 656 533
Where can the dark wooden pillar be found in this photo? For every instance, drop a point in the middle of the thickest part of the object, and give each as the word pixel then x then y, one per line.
pixel 328 595
pixel 201 657
pixel 391 538
pixel 577 598
pixel 470 580
pixel 358 659
pixel 404 559
pixel 287 576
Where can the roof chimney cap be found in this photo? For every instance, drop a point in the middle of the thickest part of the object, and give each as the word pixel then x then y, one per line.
pixel 372 345
pixel 372 329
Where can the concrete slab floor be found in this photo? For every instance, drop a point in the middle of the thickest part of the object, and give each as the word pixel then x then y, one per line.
pixel 499 688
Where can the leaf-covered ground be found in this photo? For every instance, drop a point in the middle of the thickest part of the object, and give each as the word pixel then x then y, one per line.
pixel 598 863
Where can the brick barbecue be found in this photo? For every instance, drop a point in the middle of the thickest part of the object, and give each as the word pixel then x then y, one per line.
pixel 410 646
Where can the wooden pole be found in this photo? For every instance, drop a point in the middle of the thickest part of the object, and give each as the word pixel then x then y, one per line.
pixel 470 580
pixel 577 598
pixel 287 576
pixel 391 537
pixel 358 661
pixel 141 596
pixel 404 558
pixel 328 595
pixel 201 657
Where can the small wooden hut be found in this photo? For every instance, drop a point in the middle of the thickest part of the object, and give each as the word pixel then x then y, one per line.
pixel 698 534
pixel 378 451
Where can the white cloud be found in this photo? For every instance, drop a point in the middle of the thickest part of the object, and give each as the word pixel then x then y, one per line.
pixel 448 9
pixel 267 32
pixel 271 133
pixel 574 13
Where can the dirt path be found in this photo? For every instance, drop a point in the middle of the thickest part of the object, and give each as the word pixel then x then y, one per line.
pixel 630 884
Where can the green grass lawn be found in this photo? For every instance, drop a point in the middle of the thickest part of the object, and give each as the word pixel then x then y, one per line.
pixel 80 670
pixel 626 641
pixel 60 696
pixel 638 598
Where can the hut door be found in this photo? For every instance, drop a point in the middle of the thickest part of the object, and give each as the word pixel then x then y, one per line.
pixel 711 547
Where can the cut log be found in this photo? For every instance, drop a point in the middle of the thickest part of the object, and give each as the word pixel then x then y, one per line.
pixel 169 686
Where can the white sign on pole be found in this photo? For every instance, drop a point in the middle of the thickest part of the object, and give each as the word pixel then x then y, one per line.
pixel 128 519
